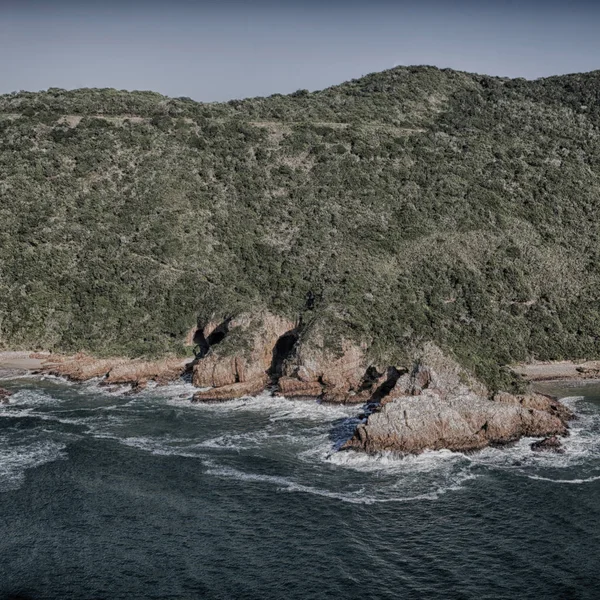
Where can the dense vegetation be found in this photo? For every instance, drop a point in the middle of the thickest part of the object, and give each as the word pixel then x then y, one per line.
pixel 415 204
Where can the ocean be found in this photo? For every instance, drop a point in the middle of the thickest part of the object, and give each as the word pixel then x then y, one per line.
pixel 105 495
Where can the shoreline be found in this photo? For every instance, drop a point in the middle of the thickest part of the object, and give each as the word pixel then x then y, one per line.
pixel 21 361
pixel 563 370
pixel 430 407
pixel 32 361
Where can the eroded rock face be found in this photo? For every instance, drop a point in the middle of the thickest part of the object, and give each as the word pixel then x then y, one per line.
pixel 538 402
pixel 4 396
pixel 427 421
pixel 437 405
pixel 263 331
pixel 319 373
pixel 229 392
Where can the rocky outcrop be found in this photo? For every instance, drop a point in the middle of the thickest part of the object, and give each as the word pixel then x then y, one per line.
pixel 5 395
pixel 429 422
pixel 537 402
pixel 115 371
pixel 439 406
pixel 549 444
pixel 234 390
pixel 317 372
pixel 292 387
pixel 249 361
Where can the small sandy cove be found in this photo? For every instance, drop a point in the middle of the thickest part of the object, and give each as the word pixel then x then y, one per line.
pixel 22 361
pixel 559 370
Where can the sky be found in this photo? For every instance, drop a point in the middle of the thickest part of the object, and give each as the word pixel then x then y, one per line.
pixel 212 50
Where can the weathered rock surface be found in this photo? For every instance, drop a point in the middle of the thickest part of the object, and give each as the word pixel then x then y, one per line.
pixel 116 371
pixel 462 423
pixel 439 406
pixel 537 402
pixel 549 444
pixel 332 377
pixel 291 387
pixel 262 332
pixel 5 395
pixel 229 392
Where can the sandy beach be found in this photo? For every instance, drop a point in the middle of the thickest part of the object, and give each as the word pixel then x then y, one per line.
pixel 20 361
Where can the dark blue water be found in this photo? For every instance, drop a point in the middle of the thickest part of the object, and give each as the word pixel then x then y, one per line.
pixel 115 497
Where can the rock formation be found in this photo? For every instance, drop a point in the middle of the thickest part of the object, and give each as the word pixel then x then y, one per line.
pixel 235 370
pixel 433 408
pixel 549 444
pixel 115 371
pixel 4 396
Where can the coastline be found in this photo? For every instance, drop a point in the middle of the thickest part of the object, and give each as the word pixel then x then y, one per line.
pixel 21 361
pixel 564 370
pixel 433 406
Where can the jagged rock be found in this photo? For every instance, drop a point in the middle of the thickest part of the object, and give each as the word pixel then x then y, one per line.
pixel 229 392
pixel 5 395
pixel 428 421
pixel 263 330
pixel 549 444
pixel 339 375
pixel 434 370
pixel 439 405
pixel 538 402
pixel 290 387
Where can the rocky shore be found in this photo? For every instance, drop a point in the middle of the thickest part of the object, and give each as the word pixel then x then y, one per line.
pixel 432 408
pixel 429 404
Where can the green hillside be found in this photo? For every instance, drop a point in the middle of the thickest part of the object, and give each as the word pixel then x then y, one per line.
pixel 414 204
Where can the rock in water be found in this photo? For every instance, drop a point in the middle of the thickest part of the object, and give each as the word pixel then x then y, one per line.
pixel 429 422
pixel 549 444
pixel 4 396
pixel 439 406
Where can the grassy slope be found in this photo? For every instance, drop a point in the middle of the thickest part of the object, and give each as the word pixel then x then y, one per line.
pixel 416 204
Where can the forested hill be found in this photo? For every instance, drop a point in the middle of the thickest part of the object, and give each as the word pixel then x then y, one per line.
pixel 414 204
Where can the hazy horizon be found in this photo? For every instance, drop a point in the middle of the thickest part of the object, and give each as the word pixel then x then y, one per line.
pixel 214 51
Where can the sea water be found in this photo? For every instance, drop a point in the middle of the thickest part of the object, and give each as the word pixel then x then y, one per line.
pixel 105 495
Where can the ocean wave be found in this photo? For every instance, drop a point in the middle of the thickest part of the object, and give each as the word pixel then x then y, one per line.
pixel 18 458
pixel 568 481
pixel 381 493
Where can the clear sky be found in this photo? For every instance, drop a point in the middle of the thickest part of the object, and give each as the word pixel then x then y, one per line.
pixel 218 50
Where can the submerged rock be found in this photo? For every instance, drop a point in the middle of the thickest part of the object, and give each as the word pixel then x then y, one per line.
pixel 5 395
pixel 549 444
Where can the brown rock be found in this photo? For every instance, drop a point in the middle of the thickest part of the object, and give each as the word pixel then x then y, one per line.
pixel 538 402
pixel 5 395
pixel 549 444
pixel 290 387
pixel 116 371
pixel 339 376
pixel 229 392
pixel 413 424
pixel 263 331
pixel 439 405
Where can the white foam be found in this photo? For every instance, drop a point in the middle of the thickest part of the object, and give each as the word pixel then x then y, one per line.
pixel 279 408
pixel 568 481
pixel 16 459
